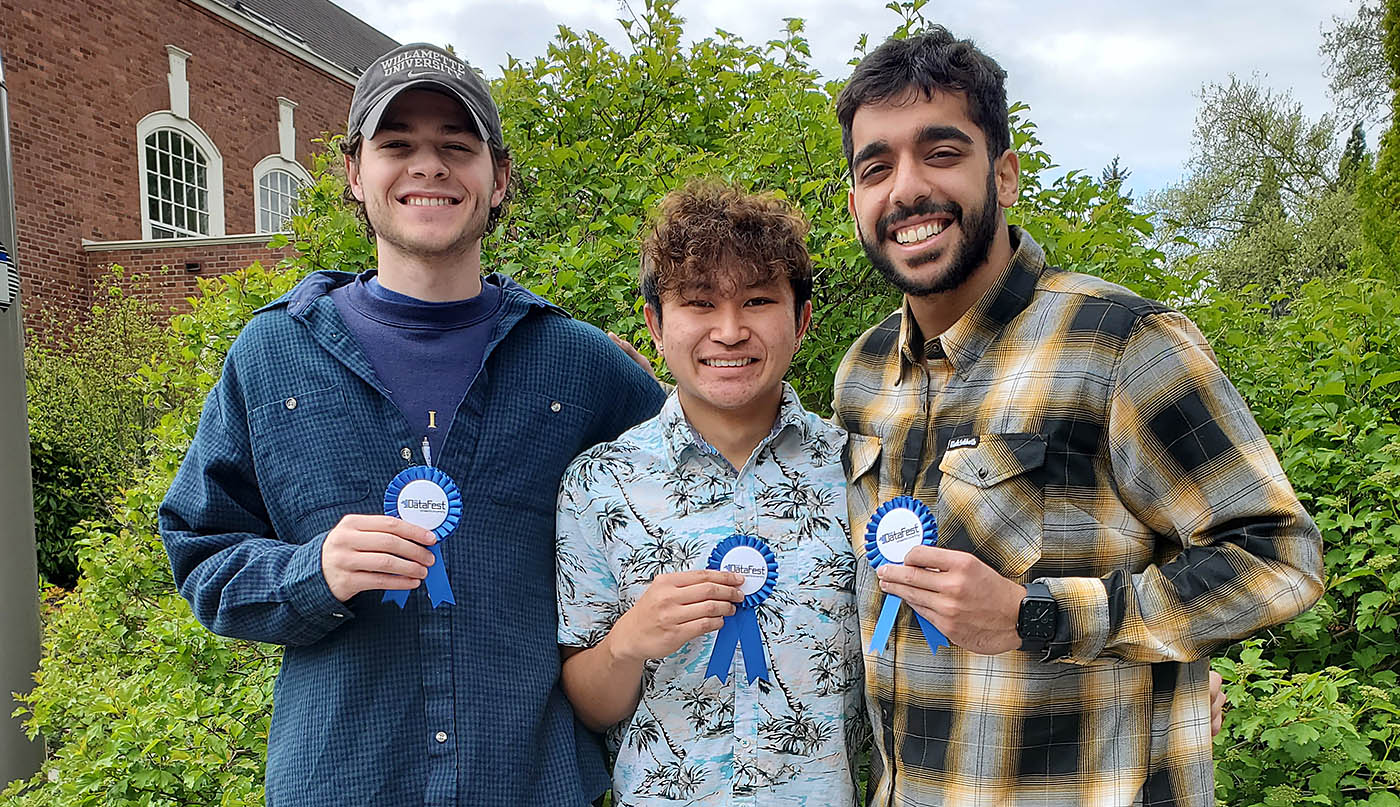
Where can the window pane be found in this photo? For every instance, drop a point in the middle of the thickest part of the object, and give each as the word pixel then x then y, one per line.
pixel 177 185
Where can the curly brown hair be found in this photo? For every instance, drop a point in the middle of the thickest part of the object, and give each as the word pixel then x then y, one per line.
pixel 711 234
pixel 350 147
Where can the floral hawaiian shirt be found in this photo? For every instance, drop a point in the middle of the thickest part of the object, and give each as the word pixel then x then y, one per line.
pixel 659 499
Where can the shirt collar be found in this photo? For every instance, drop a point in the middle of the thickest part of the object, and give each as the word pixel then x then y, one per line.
pixel 968 338
pixel 682 438
pixel 320 283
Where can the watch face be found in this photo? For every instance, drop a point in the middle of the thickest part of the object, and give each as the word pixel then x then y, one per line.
pixel 1037 619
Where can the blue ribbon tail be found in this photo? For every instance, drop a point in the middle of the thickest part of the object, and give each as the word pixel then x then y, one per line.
pixel 722 657
pixel 396 596
pixel 935 637
pixel 751 642
pixel 888 612
pixel 439 591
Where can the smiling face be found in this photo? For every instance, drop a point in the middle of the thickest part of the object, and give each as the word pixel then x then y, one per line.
pixel 728 348
pixel 427 180
pixel 925 196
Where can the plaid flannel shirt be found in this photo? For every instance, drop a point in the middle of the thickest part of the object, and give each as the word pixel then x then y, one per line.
pixel 1068 431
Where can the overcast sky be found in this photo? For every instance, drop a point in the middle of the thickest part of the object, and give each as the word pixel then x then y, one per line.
pixel 1102 78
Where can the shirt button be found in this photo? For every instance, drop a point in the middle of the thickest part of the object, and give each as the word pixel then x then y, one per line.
pixel 441 736
pixel 291 403
pixel 405 453
pixel 555 407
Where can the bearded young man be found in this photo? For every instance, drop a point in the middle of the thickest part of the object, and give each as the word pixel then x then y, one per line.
pixel 1105 509
pixel 430 391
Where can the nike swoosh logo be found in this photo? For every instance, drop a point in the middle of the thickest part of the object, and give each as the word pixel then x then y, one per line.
pixel 412 74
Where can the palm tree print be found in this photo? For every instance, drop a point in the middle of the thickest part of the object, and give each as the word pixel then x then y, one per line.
pixel 650 504
pixel 604 458
pixel 672 780
pixel 612 518
pixel 797 733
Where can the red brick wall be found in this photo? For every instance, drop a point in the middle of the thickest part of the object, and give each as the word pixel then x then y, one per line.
pixel 81 74
pixel 169 288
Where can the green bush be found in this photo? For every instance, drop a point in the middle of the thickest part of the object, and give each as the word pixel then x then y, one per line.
pixel 88 420
pixel 1314 714
pixel 138 703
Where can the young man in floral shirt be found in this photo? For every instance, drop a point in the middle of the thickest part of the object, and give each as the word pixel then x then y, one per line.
pixel 732 460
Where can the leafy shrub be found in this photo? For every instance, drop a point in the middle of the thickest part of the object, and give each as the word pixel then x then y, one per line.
pixel 88 421
pixel 1324 382
pixel 139 704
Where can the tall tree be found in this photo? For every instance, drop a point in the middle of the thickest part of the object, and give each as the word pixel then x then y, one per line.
pixel 1353 157
pixel 1247 134
pixel 1380 190
pixel 1358 73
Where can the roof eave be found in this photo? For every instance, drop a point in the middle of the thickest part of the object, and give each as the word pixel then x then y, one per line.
pixel 275 38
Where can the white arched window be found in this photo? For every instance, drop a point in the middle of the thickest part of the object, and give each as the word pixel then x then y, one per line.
pixel 278 180
pixel 182 185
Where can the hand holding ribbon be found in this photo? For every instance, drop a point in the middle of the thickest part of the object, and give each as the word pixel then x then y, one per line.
pixel 675 608
pixel 428 498
pixel 898 526
pixel 751 557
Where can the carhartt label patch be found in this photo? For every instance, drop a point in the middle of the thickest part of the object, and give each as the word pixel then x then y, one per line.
pixel 964 442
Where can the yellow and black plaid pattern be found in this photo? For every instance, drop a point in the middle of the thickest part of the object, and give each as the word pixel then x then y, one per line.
pixel 1066 430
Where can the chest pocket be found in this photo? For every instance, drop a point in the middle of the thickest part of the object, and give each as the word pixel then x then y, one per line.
pixel 991 501
pixel 306 455
pixel 860 459
pixel 549 433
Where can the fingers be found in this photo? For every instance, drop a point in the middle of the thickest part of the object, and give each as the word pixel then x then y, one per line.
pixel 389 525
pixel 937 558
pixel 697 628
pixel 382 534
pixel 702 576
pixel 917 597
pixel 911 577
pixel 385 564
pixel 632 353
pixel 703 610
pixel 365 552
pixel 698 586
pixel 1217 703
pixel 367 581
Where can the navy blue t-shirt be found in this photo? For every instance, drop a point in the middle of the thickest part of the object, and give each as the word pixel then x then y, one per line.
pixel 426 355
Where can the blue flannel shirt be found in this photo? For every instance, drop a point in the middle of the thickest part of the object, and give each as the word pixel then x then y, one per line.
pixel 374 705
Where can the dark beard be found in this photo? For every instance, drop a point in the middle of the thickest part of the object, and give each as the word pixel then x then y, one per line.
pixel 979 230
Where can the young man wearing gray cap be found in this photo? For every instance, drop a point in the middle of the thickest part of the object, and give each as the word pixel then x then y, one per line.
pixel 420 663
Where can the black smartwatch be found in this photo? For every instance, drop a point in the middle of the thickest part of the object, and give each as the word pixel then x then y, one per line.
pixel 1039 618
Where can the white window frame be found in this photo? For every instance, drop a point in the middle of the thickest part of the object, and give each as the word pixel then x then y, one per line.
pixel 265 166
pixel 165 119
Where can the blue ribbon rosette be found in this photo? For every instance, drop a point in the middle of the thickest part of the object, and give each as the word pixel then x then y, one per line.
pixel 424 496
pixel 897 526
pixel 752 558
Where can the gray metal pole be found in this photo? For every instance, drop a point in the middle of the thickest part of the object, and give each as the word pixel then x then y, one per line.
pixel 19 572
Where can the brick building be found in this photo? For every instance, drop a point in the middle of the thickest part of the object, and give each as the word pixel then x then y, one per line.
pixel 173 133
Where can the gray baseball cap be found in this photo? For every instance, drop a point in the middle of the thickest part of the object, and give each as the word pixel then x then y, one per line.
pixel 424 66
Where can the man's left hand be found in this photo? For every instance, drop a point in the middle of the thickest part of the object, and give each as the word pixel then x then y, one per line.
pixel 975 607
